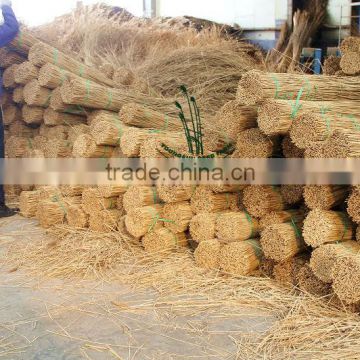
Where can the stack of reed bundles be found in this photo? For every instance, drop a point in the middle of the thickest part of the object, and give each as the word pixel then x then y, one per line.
pixel 350 59
pixel 342 144
pixel 105 221
pixel 77 130
pixel 94 202
pixel 52 76
pixel 325 197
pixel 292 194
pixel 108 133
pixel 26 72
pixel 33 114
pixel 19 128
pixel 28 203
pixel 140 196
pixel 59 148
pixel 203 226
pixel 9 77
pixel 11 114
pixel 53 118
pixel 85 147
pixel 178 216
pixel 294 216
pixel 36 95
pixel 54 132
pixel 110 191
pixel 17 146
pixel 23 42
pixel 207 254
pixel 71 190
pixel 173 194
pixel 156 147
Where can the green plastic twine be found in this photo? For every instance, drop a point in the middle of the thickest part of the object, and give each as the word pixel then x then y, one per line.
pixel 56 56
pixel 256 247
pixel 323 111
pixel 277 86
pixel 345 223
pixel 354 122
pixel 227 200
pixel 250 220
pixel 30 143
pixel 20 39
pixel 63 76
pixel 88 88
pixel 56 199
pixel 156 218
pixel 81 70
pixel 118 125
pixel 47 102
pixel 296 229
pixel 110 100
pixel 155 197
pixel 297 106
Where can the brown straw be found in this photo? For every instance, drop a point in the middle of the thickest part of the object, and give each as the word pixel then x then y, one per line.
pixel 105 221
pixel 349 63
pixel 28 203
pixel 178 216
pixel 85 147
pixel 50 213
pixel 108 133
pixel 26 72
pixel 290 150
pixel 207 254
pixel 36 95
pixel 349 44
pixel 8 58
pixel 331 65
pixel 53 118
pixel 33 114
pixel 110 191
pixel 292 194
pixel 342 144
pixel 18 95
pixel 325 197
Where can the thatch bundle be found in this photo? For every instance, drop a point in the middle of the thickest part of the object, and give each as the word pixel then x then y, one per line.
pixel 178 216
pixel 85 147
pixel 252 143
pixel 204 200
pixel 342 144
pixel 331 65
pixel 350 44
pixel 71 190
pixel 282 241
pixel 137 115
pixel 28 203
pixel 140 196
pixel 108 133
pixel 290 150
pixel 325 226
pixel 236 226
pixel 293 216
pixel 77 130
pixel 203 226
pixel 223 188
pixel 11 114
pixel 107 69
pixel 97 116
pixel 349 63
pixel 324 197
pixel 260 200
pixel 41 54
pixel 163 241
pixel 36 95
pixel 110 191
pixel 173 194
pixel 50 213
pixel 93 202
pixel 123 77
pixel 207 254
pixel 58 148
pixel 8 58
pixel 55 132
pixel 9 77
pixel 309 283
pixel 241 258
pixel 323 258
pixel 19 128
pixel 18 95
pixel 17 146
pixel 56 102
pixel 53 118
pixel 26 72
pixel 142 220
pixel 292 194
pixel 105 221
pixel 156 147
pixel 286 273
pixel 353 206
pixel 256 86
pixel 51 76
pixel 23 42
pixel 33 114
pixel 76 217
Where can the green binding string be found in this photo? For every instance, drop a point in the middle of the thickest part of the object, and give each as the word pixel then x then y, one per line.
pixel 20 39
pixel 227 200
pixel 118 125
pixel 63 76
pixel 256 247
pixel 56 199
pixel 250 220
pixel 155 196
pixel 345 223
pixel 175 238
pixel 30 143
pixel 56 56
pixel 156 218
pixel 277 86
pixel 47 102
pixel 323 111
pixel 296 229
pixel 88 88
pixel 110 100
pixel 296 106
pixel 81 71
pixel 354 121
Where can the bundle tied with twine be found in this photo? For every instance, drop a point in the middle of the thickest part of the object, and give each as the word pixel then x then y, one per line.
pixel 353 206
pixel 96 116
pixel 282 241
pixel 59 148
pixel 207 254
pixel 123 77
pixel 53 118
pixel 157 147
pixel 52 76
pixel 326 226
pixel 71 190
pixel 36 95
pixel 292 194
pixel 173 194
pixel 11 114
pixel 55 132
pixel 310 284
pixel 236 226
pixel 109 191
pixel 41 54
pixel 325 197
pixel 203 226
pixel 76 217
pixel 108 133
pixel 342 144
pixel 50 213
pixel 350 44
pixel 76 130
pixel 331 65
pixel 178 216
pixel 19 128
pixel 8 58
pixel 105 221
pixel 94 202
pixel 140 196
pixel 17 146
pixel 349 63
pixel 18 95
pixel 33 114
pixel 323 258
pixel 256 86
pixel 241 258
pixel 286 272
pixel 290 150
pixel 204 200
pixel 23 42
pixel 9 77
pixel 26 72
pixel 259 200
pixel 85 147
pixel 56 103
pixel 28 203
pixel 295 216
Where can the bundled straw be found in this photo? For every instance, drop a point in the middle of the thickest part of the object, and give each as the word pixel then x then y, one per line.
pixel 163 241
pixel 85 147
pixel 33 114
pixel 290 150
pixel 207 254
pixel 256 86
pixel 51 213
pixel 280 217
pixel 260 200
pixel 36 95
pixel 123 76
pixel 140 196
pixel 322 226
pixel 18 95
pixel 110 191
pixel 236 226
pixel 178 216
pixel 292 194
pixel 133 114
pixel 51 76
pixel 325 197
pixel 97 116
pixel 204 200
pixel 223 188
pixel 56 102
pixel 203 226
pixel 53 118
pixel 93 202
pixel 282 241
pixel 77 130
pixel 353 206
pixel 11 114
pixel 105 221
pixel 342 144
pixel 77 217
pixel 23 42
pixel 157 147
pixel 331 65
pixel 323 258
pixel 140 221
pixel 59 148
pixel 8 58
pixel 71 190
pixel 173 194
pixel 17 146
pixel 9 76
pixel 350 44
pixel 28 203
pixel 19 128
pixel 41 54
pixel 309 283
pixel 26 72
pixel 241 258
pixel 286 273
pixel 349 63
pixel 108 133
pixel 59 132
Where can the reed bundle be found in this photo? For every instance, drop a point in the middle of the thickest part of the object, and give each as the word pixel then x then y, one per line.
pixel 262 199
pixel 23 42
pixel 53 118
pixel 140 196
pixel 236 226
pixel 40 54
pixel 8 58
pixel 35 154
pixel 331 65
pixel 350 44
pixel 325 226
pixel 316 150
pixel 93 202
pixel 203 226
pixel 290 150
pixel 204 200
pixel 96 116
pixel 110 191
pixel 33 114
pixel 28 203
pixel 173 194
pixel 353 206
pixel 342 144
pixel 292 194
pixel 19 128
pixel 11 114
pixel 286 273
pixel 346 273
pixel 18 95
pixel 256 86
pixel 108 133
pixel 56 102
pixel 178 216
pixel 349 63
pixel 140 221
pixel 71 190
pixel 50 213
pixel 68 200
pixel 9 76
pixel 153 147
pixel 207 254
pixel 163 241
pixel 105 221
pixel 267 268
pixel 253 143
pixel 85 147
pixel 123 77
pixel 51 76
pixel 309 283
pixel 49 193
pixel 137 115
pixel 310 128
pixel 282 241
pixel 223 188
pixel 76 217
pixel 241 258
pixel 107 69
pixel 17 146
pixel 6 98
pixel 58 148
pixel 77 130
pixel 294 216
pixel 26 72
pixel 323 258
pixel 325 197
pixel 215 139
pixel 36 95
pixel 59 132
pixel 141 86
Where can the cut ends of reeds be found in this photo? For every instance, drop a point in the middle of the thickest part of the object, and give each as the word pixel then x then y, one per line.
pixel 207 254
pixel 162 241
pixel 354 206
pixel 310 284
pixel 29 201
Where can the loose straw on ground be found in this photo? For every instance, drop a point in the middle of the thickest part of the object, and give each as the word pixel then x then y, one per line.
pixel 36 95
pixel 29 201
pixel 292 194
pixel 207 254
pixel 163 240
pixel 324 226
pixel 325 197
pixel 26 72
